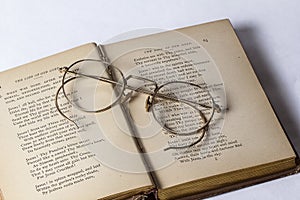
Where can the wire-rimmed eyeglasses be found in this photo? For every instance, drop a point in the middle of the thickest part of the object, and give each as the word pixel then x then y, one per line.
pixel 180 107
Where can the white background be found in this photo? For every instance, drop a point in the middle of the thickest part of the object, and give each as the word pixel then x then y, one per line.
pixel 268 29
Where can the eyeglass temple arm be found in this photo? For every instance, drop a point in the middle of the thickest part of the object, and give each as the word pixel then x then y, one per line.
pixel 57 105
pixel 149 101
pixel 142 90
pixel 99 78
pixel 203 131
pixel 151 82
pixel 215 106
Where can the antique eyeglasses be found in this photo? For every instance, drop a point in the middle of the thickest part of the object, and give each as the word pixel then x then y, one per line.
pixel 180 108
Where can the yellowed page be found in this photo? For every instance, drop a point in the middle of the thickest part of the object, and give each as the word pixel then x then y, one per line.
pixel 42 154
pixel 245 134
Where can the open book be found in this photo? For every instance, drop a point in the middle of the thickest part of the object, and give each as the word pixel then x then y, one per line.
pixel 124 152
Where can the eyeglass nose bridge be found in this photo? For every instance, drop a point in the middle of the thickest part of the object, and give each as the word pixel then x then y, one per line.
pixel 149 103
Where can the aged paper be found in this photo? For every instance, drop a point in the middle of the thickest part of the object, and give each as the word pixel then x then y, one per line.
pixel 43 155
pixel 246 128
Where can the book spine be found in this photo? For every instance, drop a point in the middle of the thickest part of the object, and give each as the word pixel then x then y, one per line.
pixel 133 131
pixel 102 53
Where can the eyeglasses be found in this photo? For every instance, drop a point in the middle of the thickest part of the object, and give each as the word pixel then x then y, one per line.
pixel 180 108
